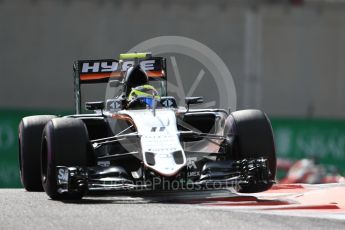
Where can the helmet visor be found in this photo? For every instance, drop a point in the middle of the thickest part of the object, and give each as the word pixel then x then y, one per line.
pixel 148 101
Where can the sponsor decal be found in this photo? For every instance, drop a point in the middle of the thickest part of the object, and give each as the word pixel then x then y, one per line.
pixel 168 103
pixel 157 129
pixel 113 105
pixel 192 168
pixel 101 70
pixel 95 67
pixel 111 66
pixel 191 163
pixel 103 163
pixel 62 175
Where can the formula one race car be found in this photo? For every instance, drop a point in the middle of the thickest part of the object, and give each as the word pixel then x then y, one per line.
pixel 139 139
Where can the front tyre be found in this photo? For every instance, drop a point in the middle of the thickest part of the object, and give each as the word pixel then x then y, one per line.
pixel 65 142
pixel 253 138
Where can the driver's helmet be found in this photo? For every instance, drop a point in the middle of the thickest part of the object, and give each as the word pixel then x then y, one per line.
pixel 142 97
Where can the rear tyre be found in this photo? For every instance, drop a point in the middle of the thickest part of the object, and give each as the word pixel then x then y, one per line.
pixel 253 139
pixel 65 142
pixel 29 142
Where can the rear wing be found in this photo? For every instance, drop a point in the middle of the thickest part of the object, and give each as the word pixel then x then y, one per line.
pixel 100 71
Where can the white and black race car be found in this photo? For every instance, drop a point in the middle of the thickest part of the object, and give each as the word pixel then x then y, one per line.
pixel 141 140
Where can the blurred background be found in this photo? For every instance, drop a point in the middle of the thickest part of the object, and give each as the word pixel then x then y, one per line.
pixel 287 57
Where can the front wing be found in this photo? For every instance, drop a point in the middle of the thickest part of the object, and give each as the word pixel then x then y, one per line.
pixel 213 175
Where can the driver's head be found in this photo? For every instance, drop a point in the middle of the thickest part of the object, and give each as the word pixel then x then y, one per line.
pixel 142 97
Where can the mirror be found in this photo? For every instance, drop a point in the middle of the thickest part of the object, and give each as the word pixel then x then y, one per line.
pixel 194 100
pixel 96 105
pixel 115 83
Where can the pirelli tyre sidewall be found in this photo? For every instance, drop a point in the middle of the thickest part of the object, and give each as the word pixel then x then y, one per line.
pixel 65 142
pixel 253 139
pixel 29 142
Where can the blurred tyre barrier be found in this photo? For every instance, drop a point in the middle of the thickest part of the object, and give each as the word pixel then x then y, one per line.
pixel 9 168
pixel 7 136
pixel 8 164
pixel 9 176
pixel 320 139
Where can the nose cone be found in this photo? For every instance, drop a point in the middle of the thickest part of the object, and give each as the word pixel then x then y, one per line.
pixel 165 163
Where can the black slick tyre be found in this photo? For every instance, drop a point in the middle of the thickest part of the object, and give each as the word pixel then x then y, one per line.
pixel 65 143
pixel 253 139
pixel 29 141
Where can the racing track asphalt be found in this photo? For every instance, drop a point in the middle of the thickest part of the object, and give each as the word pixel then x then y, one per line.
pixel 28 210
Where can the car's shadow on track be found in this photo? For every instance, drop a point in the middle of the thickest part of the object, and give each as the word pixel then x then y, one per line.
pixel 101 201
pixel 163 197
